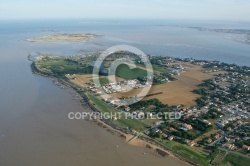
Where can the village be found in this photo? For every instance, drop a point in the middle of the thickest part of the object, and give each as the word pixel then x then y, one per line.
pixel 211 97
pixel 224 101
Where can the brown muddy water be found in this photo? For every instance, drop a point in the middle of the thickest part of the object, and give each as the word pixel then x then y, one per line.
pixel 34 125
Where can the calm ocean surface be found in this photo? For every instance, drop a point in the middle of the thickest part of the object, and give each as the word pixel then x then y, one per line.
pixel 34 128
pixel 154 37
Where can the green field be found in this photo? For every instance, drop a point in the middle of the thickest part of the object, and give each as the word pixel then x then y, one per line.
pixel 236 160
pixel 156 68
pixel 159 68
pixel 125 72
pixel 100 105
pixel 130 123
pixel 187 152
pixel 63 66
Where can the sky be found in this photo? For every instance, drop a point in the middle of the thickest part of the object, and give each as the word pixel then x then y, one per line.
pixel 126 9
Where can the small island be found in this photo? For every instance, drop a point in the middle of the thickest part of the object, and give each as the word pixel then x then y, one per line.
pixel 63 37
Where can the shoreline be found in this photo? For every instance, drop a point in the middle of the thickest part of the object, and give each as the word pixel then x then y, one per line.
pixel 155 149
pixel 142 141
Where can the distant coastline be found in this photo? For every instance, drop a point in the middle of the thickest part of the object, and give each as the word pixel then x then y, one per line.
pixel 245 32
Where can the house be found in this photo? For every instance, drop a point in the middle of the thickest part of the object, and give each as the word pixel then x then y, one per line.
pixel 207 122
pixel 164 135
pixel 127 108
pixel 186 116
pixel 246 147
pixel 209 140
pixel 159 122
pixel 229 146
pixel 227 139
pixel 187 126
pixel 155 130
pixel 170 138
pixel 217 136
pixel 172 129
pixel 115 102
pixel 192 143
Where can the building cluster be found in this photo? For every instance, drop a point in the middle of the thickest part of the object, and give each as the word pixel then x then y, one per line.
pixel 224 98
pixel 122 86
